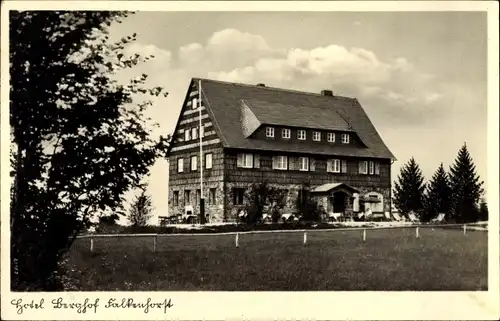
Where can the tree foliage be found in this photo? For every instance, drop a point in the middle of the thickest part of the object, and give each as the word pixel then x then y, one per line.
pixel 466 187
pixel 79 138
pixel 306 206
pixel 140 210
pixel 409 188
pixel 259 195
pixel 438 196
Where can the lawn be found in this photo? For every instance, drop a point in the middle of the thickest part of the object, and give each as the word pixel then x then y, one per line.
pixel 389 260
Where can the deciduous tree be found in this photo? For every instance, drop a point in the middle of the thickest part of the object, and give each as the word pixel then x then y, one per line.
pixel 80 139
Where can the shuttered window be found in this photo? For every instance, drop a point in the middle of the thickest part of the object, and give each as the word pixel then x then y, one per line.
pixel 244 160
pixel 280 162
pixel 344 166
pixel 363 167
pixel 377 168
pixel 303 164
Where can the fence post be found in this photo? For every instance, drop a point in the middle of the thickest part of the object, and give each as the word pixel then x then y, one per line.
pixel 154 243
pixel 237 239
pixel 417 232
pixel 364 235
pixel 465 229
pixel 305 237
pixel 91 244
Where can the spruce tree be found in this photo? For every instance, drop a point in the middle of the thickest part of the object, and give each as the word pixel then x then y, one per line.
pixel 466 187
pixel 438 196
pixel 409 189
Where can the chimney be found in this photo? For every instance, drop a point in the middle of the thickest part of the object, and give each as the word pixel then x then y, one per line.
pixel 326 92
pixel 261 85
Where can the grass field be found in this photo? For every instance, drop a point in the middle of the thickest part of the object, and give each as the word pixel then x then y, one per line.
pixel 390 259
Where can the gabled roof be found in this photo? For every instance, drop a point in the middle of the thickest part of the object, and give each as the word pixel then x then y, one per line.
pixel 297 114
pixel 225 103
pixel 328 187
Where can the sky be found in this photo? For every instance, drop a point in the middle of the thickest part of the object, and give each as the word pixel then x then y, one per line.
pixel 420 76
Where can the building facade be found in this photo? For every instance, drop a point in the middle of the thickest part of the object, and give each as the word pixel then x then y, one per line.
pixel 293 140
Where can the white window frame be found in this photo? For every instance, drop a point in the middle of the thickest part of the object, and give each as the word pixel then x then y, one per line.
pixel 194 164
pixel 286 133
pixel 317 136
pixel 245 160
pixel 301 134
pixel 345 138
pixel 331 137
pixel 363 167
pixel 187 135
pixel 194 132
pixel 270 132
pixel 304 164
pixel 194 103
pixel 336 166
pixel 202 131
pixel 280 162
pixel 371 168
pixel 180 165
pixel 208 161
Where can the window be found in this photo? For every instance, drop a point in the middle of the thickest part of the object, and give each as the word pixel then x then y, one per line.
pixel 187 135
pixel 303 163
pixel 194 163
pixel 244 160
pixel 344 166
pixel 331 137
pixel 202 131
pixel 194 133
pixel 372 168
pixel 377 168
pixel 208 160
pixel 316 136
pixel 280 162
pixel 286 133
pixel 336 166
pixel 180 165
pixel 195 103
pixel 301 134
pixel 187 197
pixel 238 196
pixel 211 196
pixel 345 138
pixel 198 197
pixel 363 167
pixel 176 198
pixel 269 132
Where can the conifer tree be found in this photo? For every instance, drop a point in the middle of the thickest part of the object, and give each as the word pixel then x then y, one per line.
pixel 466 187
pixel 438 196
pixel 409 189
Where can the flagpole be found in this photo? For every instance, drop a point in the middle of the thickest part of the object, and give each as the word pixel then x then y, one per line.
pixel 202 199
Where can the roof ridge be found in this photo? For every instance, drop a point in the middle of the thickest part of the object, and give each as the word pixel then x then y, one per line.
pixel 273 88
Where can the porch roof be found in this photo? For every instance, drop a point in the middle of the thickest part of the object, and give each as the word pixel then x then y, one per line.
pixel 330 187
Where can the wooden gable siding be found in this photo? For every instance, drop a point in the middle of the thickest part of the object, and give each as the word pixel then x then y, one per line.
pixel 317 177
pixel 189 118
pixel 260 134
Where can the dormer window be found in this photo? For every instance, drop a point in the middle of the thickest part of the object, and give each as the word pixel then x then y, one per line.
pixel 316 136
pixel 270 132
pixel 286 133
pixel 345 138
pixel 301 134
pixel 331 137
